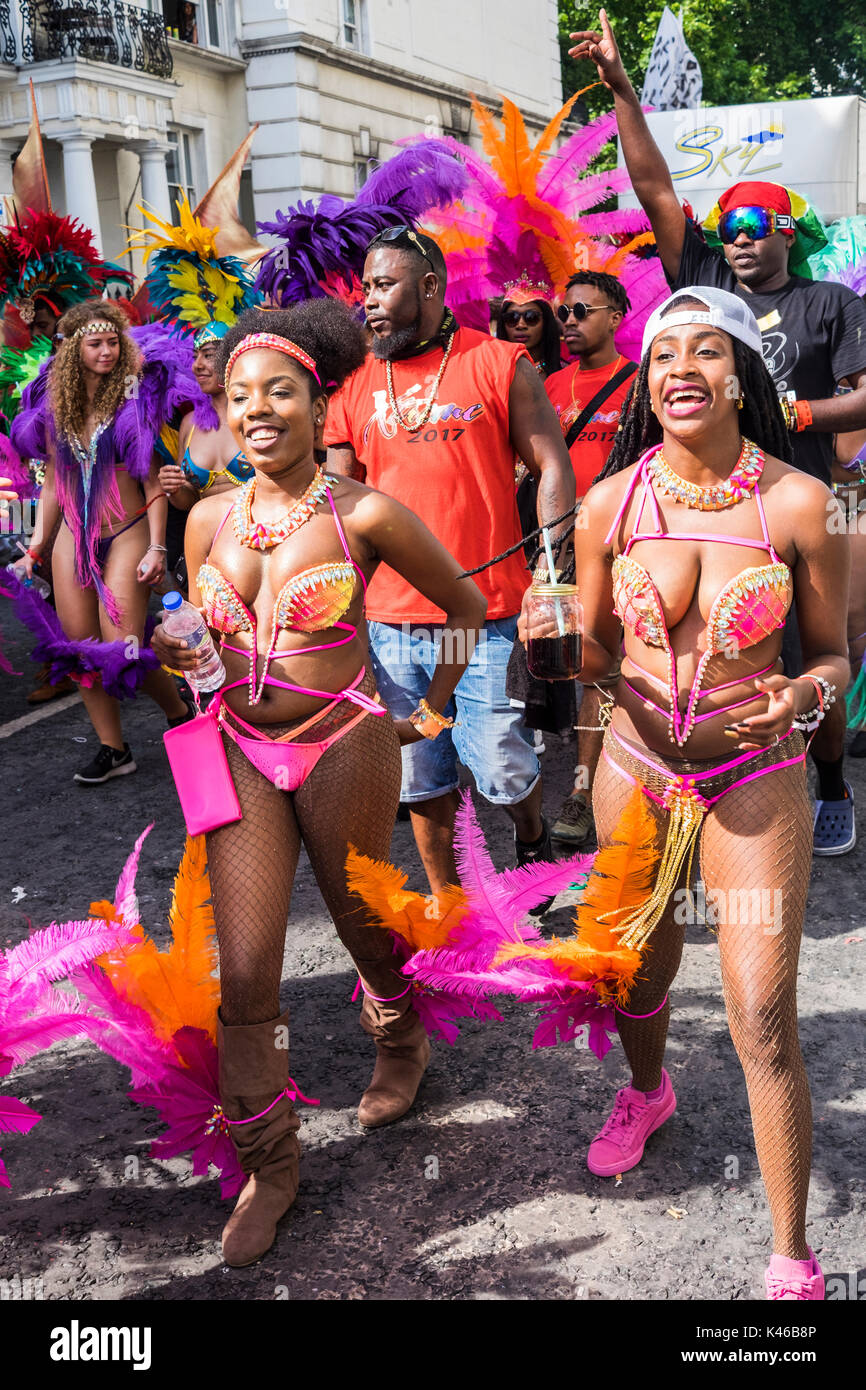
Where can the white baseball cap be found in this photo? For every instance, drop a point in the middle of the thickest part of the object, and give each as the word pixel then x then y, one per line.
pixel 724 310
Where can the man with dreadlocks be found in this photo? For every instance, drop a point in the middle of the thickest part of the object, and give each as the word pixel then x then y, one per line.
pixel 813 338
pixel 697 541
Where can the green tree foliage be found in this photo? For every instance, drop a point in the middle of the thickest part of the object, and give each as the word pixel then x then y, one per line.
pixel 777 49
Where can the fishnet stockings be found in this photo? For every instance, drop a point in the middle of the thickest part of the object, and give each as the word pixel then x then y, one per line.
pixel 351 796
pixel 755 864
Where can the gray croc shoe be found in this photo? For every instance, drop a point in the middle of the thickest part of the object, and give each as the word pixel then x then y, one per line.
pixel 834 831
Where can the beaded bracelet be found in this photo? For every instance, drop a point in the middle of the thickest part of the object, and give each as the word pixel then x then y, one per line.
pixel 426 714
pixel 808 722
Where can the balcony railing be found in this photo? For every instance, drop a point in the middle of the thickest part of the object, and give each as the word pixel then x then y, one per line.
pixel 8 46
pixel 107 31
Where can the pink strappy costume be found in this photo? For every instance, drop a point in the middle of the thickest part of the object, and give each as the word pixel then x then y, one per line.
pixel 749 607
pixel 311 601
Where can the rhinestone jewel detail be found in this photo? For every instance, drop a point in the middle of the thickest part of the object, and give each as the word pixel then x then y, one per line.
pixel 740 484
pixel 264 535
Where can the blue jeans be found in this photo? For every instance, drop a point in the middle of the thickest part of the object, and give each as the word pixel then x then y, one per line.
pixel 489 736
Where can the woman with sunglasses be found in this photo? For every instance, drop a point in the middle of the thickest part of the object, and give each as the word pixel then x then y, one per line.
pixel 527 318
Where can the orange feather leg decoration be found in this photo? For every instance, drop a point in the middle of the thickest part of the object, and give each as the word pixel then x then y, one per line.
pixel 177 987
pixel 423 922
pixel 621 879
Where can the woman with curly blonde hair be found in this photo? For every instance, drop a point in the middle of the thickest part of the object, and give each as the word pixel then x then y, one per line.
pixel 99 413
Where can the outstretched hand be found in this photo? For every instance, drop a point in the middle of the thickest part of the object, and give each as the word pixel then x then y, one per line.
pixel 601 49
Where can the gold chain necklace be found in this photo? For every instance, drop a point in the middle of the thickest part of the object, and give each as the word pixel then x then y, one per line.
pixel 428 410
pixel 574 378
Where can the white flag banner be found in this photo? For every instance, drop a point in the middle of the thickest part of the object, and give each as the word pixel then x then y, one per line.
pixel 673 79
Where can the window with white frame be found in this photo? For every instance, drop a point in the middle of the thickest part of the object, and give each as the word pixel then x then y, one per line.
pixel 179 165
pixel 353 29
pixel 202 23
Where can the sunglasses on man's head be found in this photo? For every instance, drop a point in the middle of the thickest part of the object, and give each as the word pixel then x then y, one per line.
pixel 402 236
pixel 528 316
pixel 579 310
pixel 757 223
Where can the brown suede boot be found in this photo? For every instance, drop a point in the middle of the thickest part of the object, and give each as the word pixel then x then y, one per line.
pixel 403 1052
pixel 253 1070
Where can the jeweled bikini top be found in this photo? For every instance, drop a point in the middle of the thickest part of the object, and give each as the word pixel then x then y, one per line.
pixel 749 607
pixel 312 601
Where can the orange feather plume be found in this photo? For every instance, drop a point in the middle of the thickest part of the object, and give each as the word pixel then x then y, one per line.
pixel 177 987
pixel 621 879
pixel 614 265
pixel 422 922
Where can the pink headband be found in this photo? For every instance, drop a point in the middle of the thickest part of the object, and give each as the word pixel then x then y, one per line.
pixel 271 340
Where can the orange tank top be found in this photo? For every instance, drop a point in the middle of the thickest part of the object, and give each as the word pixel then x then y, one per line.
pixel 456 474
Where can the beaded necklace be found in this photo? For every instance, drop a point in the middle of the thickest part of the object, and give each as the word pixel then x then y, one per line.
pixel 264 535
pixel 740 484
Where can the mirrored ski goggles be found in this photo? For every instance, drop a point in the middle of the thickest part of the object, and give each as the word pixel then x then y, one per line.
pixel 757 223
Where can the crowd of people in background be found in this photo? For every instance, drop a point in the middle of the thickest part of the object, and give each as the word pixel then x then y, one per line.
pixel 354 508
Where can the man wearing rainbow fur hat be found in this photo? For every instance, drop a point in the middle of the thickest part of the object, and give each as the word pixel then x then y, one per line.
pixel 813 338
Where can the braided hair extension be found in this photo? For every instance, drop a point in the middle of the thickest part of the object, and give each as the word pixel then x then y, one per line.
pixel 761 419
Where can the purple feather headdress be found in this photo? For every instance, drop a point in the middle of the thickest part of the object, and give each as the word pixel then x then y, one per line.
pixel 323 245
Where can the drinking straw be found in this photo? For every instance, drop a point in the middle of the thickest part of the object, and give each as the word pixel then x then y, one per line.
pixel 551 569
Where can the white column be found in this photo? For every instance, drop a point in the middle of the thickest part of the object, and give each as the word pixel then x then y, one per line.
pixel 81 200
pixel 154 180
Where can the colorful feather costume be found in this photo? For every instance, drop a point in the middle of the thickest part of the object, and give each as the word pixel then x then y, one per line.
pixel 194 288
pixel 473 942
pixel 525 217
pixel 45 256
pixel 33 1014
pixel 154 1011
pixel 88 494
pixel 322 246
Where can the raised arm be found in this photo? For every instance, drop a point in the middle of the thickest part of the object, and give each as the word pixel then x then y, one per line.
pixel 649 174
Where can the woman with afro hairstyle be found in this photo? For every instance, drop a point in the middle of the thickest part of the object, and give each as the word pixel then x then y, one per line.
pixel 280 571
pixel 98 415
pixel 695 543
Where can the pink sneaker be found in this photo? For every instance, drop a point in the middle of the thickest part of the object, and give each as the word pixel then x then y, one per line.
pixel 794 1279
pixel 619 1145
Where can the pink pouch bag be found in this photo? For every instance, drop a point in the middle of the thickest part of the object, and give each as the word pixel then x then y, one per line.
pixel 201 773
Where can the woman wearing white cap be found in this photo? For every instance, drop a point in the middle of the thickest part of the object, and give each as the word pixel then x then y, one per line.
pixel 698 538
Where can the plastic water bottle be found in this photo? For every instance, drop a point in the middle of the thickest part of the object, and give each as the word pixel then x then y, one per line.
pixel 32 581
pixel 184 621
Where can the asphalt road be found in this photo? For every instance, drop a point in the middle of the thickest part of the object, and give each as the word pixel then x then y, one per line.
pixel 482 1192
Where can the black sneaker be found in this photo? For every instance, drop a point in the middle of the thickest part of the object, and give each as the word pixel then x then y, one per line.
pixel 533 854
pixel 190 710
pixel 108 763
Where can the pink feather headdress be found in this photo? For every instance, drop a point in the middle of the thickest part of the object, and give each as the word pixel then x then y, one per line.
pixel 525 222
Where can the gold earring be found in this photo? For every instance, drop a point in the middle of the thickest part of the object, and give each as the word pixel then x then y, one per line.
pixel 740 402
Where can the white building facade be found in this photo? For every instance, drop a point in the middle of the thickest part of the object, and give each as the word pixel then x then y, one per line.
pixel 137 103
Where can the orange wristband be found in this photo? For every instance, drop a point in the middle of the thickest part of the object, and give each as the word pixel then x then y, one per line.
pixel 803 412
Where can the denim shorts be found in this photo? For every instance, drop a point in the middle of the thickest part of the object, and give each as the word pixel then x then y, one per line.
pixel 489 736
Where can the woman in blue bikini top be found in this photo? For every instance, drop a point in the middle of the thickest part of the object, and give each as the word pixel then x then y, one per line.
pixel 214 463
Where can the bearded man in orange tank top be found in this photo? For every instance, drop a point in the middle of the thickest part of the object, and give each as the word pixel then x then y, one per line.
pixel 436 417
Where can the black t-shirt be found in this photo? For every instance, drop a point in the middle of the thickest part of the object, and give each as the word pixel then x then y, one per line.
pixel 813 334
